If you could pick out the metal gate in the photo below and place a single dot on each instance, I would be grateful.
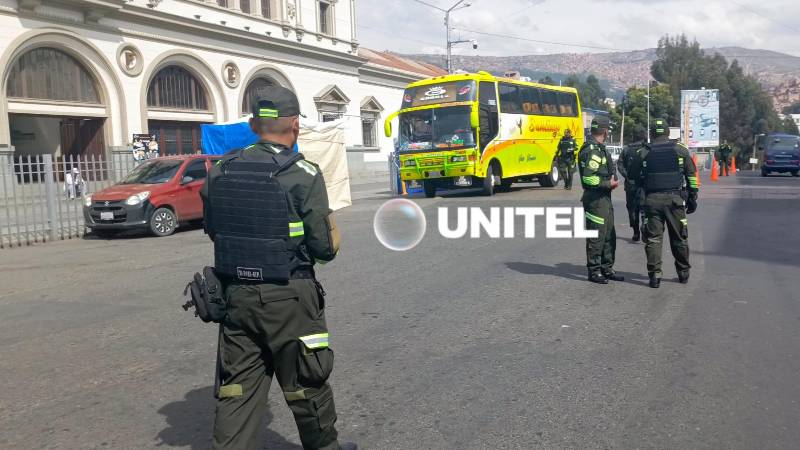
(42, 197)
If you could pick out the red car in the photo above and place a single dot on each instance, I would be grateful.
(158, 195)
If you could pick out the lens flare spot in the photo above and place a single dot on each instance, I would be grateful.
(399, 224)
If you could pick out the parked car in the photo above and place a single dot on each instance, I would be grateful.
(782, 155)
(158, 195)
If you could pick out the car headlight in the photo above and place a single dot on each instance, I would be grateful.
(410, 163)
(458, 159)
(135, 199)
(87, 201)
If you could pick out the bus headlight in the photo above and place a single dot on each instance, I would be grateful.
(410, 163)
(456, 159)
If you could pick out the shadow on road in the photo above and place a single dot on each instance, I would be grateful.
(191, 423)
(568, 271)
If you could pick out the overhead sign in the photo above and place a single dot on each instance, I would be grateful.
(700, 118)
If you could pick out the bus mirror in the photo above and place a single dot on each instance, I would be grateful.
(387, 128)
(474, 118)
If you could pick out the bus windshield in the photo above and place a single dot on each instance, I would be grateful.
(436, 129)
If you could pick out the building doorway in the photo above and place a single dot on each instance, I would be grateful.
(176, 138)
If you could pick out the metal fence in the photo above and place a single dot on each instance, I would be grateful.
(42, 196)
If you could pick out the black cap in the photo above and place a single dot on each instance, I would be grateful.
(275, 101)
(600, 122)
(659, 127)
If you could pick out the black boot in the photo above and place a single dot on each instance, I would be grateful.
(683, 276)
(655, 282)
(636, 235)
(598, 278)
(613, 276)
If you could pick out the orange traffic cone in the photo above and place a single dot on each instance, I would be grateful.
(733, 166)
(714, 171)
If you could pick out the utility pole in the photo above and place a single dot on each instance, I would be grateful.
(648, 111)
(622, 128)
(460, 4)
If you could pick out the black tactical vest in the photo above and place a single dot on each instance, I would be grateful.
(663, 171)
(249, 217)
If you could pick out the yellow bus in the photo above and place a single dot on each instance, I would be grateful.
(478, 130)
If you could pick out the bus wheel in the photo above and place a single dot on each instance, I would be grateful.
(430, 188)
(505, 185)
(488, 182)
(550, 179)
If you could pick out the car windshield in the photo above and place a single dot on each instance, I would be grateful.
(153, 172)
(436, 129)
(784, 144)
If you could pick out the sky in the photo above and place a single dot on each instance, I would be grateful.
(407, 26)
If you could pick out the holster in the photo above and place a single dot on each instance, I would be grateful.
(207, 296)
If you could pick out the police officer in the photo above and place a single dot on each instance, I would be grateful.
(633, 199)
(266, 209)
(668, 176)
(597, 177)
(725, 154)
(566, 158)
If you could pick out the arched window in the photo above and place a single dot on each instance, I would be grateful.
(49, 74)
(253, 90)
(174, 87)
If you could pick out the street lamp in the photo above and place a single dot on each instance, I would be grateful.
(460, 4)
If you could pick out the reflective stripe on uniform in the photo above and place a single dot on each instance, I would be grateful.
(685, 221)
(596, 219)
(597, 158)
(591, 181)
(308, 167)
(296, 229)
(694, 182)
(269, 113)
(315, 341)
(230, 390)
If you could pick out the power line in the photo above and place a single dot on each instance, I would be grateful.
(566, 44)
(752, 11)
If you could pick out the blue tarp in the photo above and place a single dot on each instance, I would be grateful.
(220, 139)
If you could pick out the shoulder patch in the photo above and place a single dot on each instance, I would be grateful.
(307, 166)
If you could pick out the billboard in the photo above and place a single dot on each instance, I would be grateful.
(700, 118)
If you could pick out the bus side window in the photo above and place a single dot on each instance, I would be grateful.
(509, 99)
(549, 102)
(531, 102)
(487, 100)
(567, 104)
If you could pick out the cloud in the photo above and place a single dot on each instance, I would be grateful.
(409, 27)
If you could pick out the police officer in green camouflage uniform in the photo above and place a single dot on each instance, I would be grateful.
(668, 176)
(725, 156)
(597, 176)
(266, 209)
(632, 194)
(566, 158)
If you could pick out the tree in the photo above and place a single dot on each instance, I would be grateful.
(592, 95)
(746, 108)
(790, 127)
(635, 106)
(794, 108)
(547, 80)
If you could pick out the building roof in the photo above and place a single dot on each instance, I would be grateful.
(394, 62)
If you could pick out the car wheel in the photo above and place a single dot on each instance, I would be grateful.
(795, 173)
(764, 173)
(488, 181)
(429, 187)
(551, 179)
(163, 222)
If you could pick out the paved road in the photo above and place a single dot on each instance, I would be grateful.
(467, 344)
